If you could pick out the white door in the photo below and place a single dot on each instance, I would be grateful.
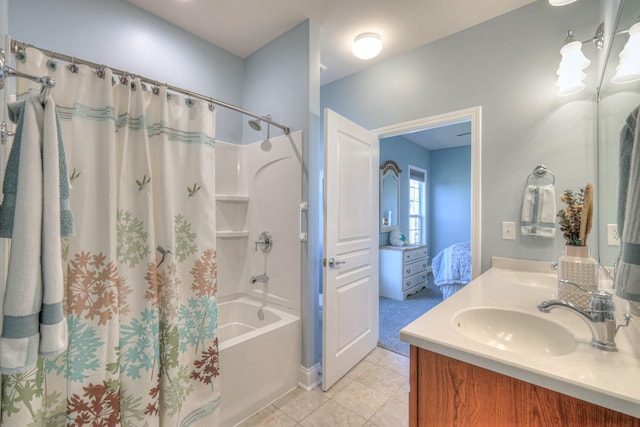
(351, 240)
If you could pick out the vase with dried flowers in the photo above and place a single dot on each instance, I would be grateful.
(576, 265)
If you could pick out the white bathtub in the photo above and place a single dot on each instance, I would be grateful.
(259, 359)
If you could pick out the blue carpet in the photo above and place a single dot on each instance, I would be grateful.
(395, 315)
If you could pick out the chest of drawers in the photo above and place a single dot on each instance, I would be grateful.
(403, 270)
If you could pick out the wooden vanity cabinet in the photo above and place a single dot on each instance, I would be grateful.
(448, 392)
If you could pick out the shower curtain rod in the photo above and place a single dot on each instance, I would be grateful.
(16, 46)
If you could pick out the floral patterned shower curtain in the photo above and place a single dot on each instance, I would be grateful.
(141, 269)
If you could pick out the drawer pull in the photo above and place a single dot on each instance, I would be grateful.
(408, 270)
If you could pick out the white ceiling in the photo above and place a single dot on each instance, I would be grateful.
(244, 26)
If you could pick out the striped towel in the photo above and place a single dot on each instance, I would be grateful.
(33, 319)
(628, 274)
(538, 211)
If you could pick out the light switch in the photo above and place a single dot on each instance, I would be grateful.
(508, 231)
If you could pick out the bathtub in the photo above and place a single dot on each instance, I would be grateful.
(259, 358)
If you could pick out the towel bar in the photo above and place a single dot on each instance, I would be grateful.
(5, 71)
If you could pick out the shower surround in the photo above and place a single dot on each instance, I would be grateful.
(258, 188)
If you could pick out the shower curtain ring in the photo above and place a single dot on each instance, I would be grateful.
(51, 64)
(188, 101)
(101, 71)
(73, 67)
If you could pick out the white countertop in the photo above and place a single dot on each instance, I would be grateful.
(609, 379)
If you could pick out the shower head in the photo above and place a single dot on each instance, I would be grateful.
(255, 123)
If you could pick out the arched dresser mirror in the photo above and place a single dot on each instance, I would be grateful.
(389, 195)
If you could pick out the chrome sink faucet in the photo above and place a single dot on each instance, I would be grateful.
(600, 316)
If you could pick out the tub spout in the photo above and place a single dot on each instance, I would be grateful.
(259, 278)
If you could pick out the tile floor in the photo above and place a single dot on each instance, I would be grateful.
(375, 393)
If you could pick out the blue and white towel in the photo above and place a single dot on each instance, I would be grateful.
(538, 211)
(33, 321)
(628, 274)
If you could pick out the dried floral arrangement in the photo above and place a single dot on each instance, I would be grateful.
(576, 219)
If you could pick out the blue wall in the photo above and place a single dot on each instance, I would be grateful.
(507, 66)
(450, 201)
(273, 73)
(404, 153)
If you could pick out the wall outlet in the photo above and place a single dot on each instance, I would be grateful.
(612, 235)
(508, 231)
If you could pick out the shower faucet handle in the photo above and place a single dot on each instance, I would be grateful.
(264, 242)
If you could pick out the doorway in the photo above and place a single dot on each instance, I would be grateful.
(453, 142)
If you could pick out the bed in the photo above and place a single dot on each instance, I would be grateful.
(452, 268)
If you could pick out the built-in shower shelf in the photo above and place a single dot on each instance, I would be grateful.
(231, 234)
(231, 198)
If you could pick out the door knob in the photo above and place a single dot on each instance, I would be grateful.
(333, 262)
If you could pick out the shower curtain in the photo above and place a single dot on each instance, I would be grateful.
(141, 275)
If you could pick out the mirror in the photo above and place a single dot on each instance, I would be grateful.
(616, 101)
(389, 195)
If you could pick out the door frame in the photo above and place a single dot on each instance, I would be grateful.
(475, 115)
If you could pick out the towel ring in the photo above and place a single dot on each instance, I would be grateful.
(541, 171)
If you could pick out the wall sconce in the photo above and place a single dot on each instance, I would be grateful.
(628, 70)
(570, 72)
(367, 45)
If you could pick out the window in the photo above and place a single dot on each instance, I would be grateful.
(417, 202)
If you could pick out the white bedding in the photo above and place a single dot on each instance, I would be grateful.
(452, 266)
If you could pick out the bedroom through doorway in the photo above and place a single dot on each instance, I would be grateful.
(438, 199)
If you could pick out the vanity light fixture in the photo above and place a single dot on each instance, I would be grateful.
(570, 72)
(628, 70)
(367, 45)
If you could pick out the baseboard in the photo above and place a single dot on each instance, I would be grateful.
(309, 378)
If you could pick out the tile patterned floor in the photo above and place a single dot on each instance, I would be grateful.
(375, 393)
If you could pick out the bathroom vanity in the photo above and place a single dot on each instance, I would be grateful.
(403, 270)
(448, 392)
(487, 356)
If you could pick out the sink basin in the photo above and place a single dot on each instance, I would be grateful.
(541, 280)
(514, 331)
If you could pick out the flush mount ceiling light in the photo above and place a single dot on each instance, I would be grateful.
(560, 2)
(367, 45)
(628, 70)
